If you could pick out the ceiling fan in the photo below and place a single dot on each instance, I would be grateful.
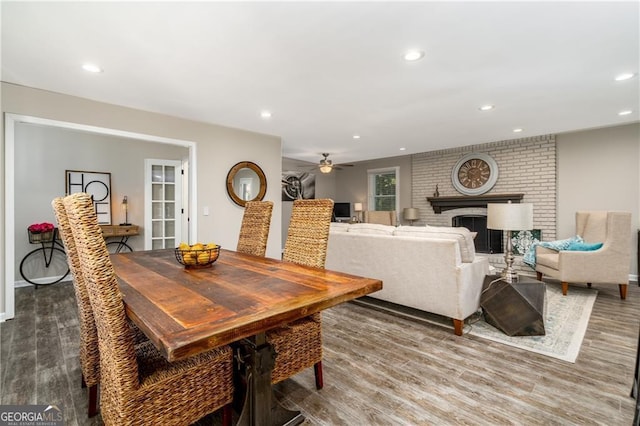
(327, 165)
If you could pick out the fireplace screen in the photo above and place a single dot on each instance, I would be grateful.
(487, 240)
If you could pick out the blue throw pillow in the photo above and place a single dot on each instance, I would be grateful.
(578, 246)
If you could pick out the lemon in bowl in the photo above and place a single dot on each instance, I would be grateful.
(197, 255)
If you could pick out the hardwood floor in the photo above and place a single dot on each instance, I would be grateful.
(379, 369)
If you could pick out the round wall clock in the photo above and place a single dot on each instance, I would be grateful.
(474, 174)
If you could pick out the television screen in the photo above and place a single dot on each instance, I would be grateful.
(342, 210)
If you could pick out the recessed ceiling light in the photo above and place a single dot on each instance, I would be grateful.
(625, 112)
(91, 68)
(265, 114)
(356, 136)
(486, 107)
(413, 55)
(625, 76)
(403, 149)
(517, 130)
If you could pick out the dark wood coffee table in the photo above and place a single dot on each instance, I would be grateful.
(517, 309)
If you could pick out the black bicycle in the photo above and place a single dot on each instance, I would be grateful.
(46, 264)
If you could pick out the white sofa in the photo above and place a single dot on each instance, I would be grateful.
(433, 269)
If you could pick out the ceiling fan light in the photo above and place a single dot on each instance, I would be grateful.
(326, 168)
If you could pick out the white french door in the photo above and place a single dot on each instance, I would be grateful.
(163, 204)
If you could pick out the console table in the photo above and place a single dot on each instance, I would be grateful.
(121, 231)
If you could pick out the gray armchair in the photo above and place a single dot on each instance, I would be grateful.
(607, 265)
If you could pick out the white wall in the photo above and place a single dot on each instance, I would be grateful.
(218, 149)
(526, 165)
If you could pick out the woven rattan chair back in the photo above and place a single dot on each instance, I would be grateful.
(89, 354)
(308, 232)
(137, 385)
(254, 231)
(299, 344)
(115, 338)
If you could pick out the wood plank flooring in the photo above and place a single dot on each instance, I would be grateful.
(379, 369)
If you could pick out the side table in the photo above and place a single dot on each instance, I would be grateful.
(517, 309)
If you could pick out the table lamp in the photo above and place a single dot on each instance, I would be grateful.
(125, 209)
(510, 217)
(357, 207)
(411, 214)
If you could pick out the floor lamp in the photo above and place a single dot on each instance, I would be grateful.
(510, 217)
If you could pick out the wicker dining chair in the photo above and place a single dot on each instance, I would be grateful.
(298, 345)
(89, 354)
(254, 231)
(138, 385)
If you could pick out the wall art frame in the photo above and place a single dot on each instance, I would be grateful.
(96, 184)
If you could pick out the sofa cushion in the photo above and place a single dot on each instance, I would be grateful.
(371, 228)
(462, 235)
(339, 227)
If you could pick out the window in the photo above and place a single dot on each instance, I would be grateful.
(383, 189)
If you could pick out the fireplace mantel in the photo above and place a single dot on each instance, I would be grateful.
(441, 204)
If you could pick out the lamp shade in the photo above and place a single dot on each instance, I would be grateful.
(411, 213)
(510, 217)
(357, 207)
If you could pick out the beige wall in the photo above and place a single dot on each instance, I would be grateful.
(599, 170)
(218, 149)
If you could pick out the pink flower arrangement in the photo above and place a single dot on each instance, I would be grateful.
(38, 228)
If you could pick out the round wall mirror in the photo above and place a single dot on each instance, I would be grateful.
(246, 182)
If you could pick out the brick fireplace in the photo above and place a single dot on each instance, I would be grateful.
(526, 166)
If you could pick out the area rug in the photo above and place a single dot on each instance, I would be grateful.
(565, 323)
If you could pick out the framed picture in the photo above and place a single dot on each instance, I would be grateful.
(298, 185)
(522, 240)
(96, 184)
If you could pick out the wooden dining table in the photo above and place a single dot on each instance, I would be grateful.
(235, 301)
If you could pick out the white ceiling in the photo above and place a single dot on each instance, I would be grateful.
(329, 70)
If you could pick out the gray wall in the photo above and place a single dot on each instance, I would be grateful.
(42, 155)
(356, 189)
(218, 149)
(349, 184)
(325, 188)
